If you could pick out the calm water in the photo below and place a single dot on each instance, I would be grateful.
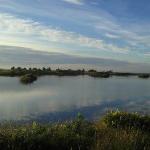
(54, 98)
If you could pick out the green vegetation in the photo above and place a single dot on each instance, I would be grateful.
(126, 120)
(99, 74)
(25, 73)
(145, 76)
(68, 72)
(28, 78)
(115, 131)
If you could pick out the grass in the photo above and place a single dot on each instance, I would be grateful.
(79, 134)
(121, 139)
(123, 131)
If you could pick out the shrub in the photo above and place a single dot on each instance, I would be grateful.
(119, 119)
(75, 135)
(78, 134)
(28, 78)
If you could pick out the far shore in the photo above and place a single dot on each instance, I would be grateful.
(18, 71)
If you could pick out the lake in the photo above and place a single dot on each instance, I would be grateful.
(53, 98)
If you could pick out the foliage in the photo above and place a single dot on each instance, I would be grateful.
(109, 138)
(145, 76)
(119, 119)
(78, 134)
(28, 78)
(18, 71)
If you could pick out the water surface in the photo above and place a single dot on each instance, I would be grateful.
(53, 98)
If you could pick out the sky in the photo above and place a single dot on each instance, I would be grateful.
(114, 29)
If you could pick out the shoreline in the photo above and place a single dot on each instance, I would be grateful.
(67, 72)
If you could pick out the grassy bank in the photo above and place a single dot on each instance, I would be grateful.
(115, 131)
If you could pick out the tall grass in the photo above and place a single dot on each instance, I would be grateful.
(79, 134)
(120, 139)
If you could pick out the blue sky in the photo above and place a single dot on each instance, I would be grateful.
(116, 29)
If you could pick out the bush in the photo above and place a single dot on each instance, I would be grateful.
(119, 119)
(75, 135)
(78, 134)
(28, 78)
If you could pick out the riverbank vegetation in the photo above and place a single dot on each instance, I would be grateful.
(29, 75)
(18, 71)
(115, 131)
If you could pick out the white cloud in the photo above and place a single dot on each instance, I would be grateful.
(76, 2)
(112, 36)
(29, 30)
(101, 21)
(147, 54)
(111, 29)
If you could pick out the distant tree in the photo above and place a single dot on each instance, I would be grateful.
(83, 71)
(30, 69)
(13, 68)
(44, 69)
(19, 68)
(57, 70)
(92, 70)
(39, 70)
(24, 69)
(34, 69)
(49, 69)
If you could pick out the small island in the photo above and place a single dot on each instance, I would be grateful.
(145, 76)
(29, 75)
(28, 78)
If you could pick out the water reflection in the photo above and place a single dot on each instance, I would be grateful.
(54, 98)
